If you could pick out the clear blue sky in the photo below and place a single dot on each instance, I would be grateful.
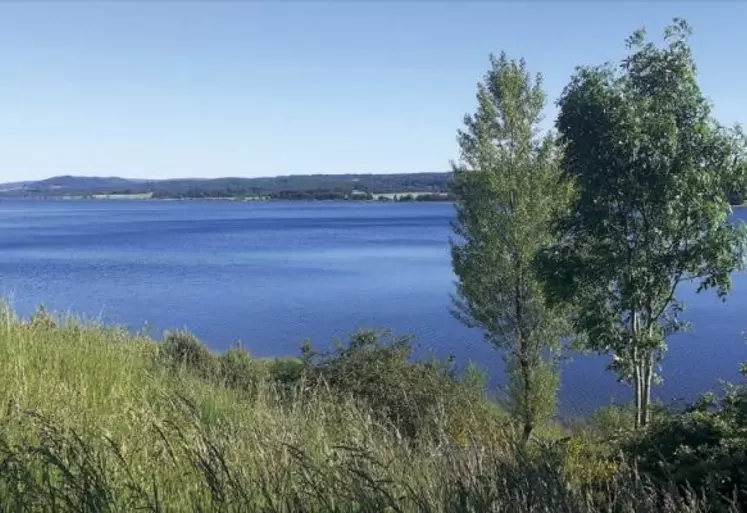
(144, 89)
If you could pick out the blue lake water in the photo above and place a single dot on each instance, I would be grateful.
(274, 274)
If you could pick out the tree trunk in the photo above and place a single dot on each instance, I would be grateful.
(523, 351)
(526, 376)
(635, 361)
(646, 399)
(527, 434)
(638, 381)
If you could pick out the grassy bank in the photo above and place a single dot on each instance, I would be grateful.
(96, 419)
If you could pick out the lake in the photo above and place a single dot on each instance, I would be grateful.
(274, 274)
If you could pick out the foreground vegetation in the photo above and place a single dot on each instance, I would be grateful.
(96, 419)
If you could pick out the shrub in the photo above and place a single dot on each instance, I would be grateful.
(416, 398)
(703, 447)
(240, 371)
(286, 372)
(234, 369)
(587, 460)
(42, 319)
(182, 349)
(611, 422)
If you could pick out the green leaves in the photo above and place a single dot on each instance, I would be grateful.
(651, 171)
(508, 192)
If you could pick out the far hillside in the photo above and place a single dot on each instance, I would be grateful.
(348, 186)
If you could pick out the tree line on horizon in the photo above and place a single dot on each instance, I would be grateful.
(320, 187)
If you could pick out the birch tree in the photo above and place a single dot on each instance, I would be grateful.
(507, 189)
(651, 171)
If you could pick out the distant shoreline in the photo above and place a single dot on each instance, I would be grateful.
(389, 197)
(231, 199)
(347, 187)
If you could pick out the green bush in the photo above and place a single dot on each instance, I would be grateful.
(703, 447)
(42, 319)
(286, 372)
(240, 371)
(234, 369)
(612, 422)
(182, 349)
(414, 397)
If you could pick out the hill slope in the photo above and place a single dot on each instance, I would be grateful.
(288, 186)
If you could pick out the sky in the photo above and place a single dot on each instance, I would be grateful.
(243, 88)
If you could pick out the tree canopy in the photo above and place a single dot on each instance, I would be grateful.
(651, 170)
(507, 192)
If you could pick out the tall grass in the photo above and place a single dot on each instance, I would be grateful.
(93, 420)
